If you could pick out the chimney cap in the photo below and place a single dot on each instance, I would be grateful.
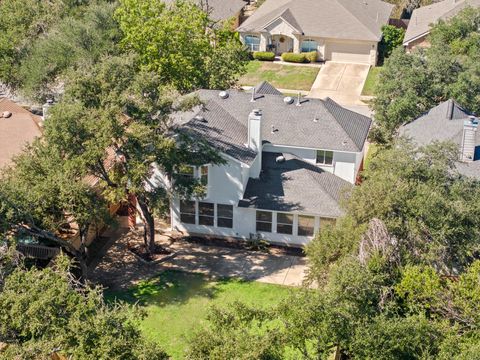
(257, 112)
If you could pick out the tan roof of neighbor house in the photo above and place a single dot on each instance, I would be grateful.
(424, 17)
(336, 19)
(220, 9)
(16, 131)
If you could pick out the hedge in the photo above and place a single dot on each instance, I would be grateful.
(292, 57)
(264, 55)
(311, 56)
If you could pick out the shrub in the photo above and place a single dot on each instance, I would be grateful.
(264, 55)
(296, 58)
(392, 38)
(311, 56)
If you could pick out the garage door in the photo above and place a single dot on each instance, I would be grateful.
(356, 53)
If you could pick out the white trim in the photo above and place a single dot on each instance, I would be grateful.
(297, 32)
(312, 148)
(407, 42)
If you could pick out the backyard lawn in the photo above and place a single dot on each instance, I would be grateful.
(281, 76)
(372, 79)
(176, 303)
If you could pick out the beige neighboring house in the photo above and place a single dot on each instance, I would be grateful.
(221, 10)
(426, 16)
(338, 30)
(18, 127)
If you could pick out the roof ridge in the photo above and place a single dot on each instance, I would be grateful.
(329, 102)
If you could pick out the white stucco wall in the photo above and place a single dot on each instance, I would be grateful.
(345, 164)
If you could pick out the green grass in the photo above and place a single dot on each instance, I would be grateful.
(176, 303)
(281, 76)
(371, 81)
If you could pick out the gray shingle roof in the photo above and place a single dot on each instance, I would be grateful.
(295, 185)
(444, 122)
(266, 88)
(335, 19)
(316, 124)
(423, 17)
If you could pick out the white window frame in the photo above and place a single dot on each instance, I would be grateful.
(218, 217)
(251, 45)
(298, 224)
(200, 215)
(271, 222)
(309, 47)
(292, 224)
(324, 157)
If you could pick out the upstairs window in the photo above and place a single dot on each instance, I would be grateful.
(187, 172)
(306, 225)
(324, 157)
(284, 223)
(252, 42)
(204, 175)
(225, 216)
(309, 45)
(264, 221)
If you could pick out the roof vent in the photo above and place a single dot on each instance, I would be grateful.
(223, 95)
(280, 159)
(6, 114)
(200, 118)
(288, 100)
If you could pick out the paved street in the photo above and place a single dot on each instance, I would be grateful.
(120, 269)
(342, 82)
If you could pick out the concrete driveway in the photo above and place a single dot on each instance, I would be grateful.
(342, 82)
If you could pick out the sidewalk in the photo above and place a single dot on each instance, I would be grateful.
(120, 269)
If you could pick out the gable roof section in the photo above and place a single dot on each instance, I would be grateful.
(295, 185)
(265, 88)
(444, 122)
(16, 131)
(337, 19)
(425, 16)
(315, 124)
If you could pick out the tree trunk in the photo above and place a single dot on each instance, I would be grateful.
(81, 254)
(149, 225)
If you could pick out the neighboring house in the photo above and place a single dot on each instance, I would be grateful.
(289, 162)
(449, 122)
(221, 10)
(18, 127)
(423, 18)
(339, 30)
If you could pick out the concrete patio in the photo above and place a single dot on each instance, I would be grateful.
(120, 269)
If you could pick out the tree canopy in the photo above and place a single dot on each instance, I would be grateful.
(412, 83)
(46, 311)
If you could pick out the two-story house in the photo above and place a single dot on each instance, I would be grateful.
(289, 160)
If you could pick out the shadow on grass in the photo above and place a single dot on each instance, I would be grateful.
(170, 287)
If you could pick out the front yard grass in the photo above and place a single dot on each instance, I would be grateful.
(280, 76)
(176, 303)
(372, 79)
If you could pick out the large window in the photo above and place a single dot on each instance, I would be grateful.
(225, 216)
(252, 42)
(264, 221)
(284, 223)
(187, 212)
(324, 157)
(306, 225)
(309, 45)
(206, 212)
